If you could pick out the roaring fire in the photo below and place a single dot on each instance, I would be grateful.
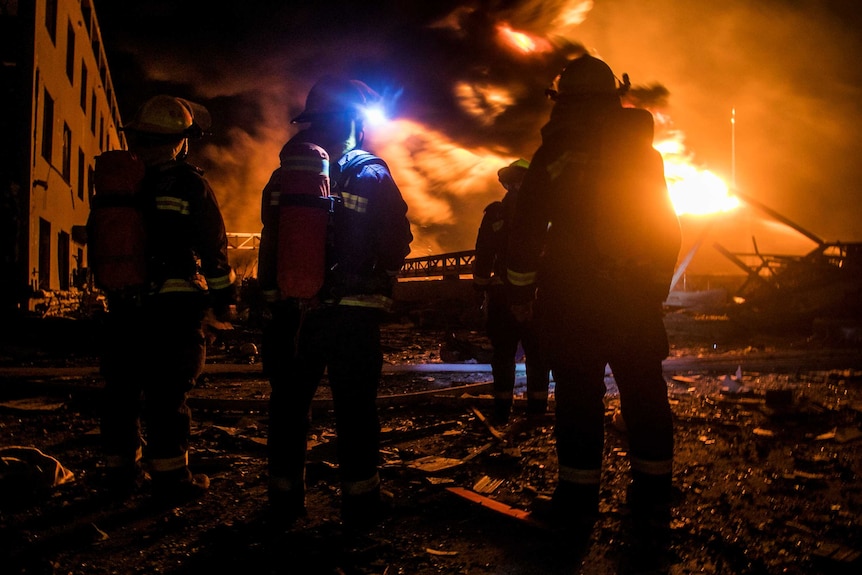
(446, 183)
(693, 190)
(573, 13)
(482, 101)
(521, 41)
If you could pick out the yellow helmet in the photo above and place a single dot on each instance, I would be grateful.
(514, 172)
(168, 115)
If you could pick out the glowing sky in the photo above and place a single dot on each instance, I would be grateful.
(466, 81)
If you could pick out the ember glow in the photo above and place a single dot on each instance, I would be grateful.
(482, 101)
(445, 184)
(440, 177)
(522, 41)
(573, 13)
(472, 75)
(693, 190)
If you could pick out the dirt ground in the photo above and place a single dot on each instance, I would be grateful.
(767, 468)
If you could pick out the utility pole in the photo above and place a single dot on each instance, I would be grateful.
(733, 148)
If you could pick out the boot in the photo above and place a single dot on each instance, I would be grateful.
(365, 510)
(650, 500)
(175, 487)
(286, 506)
(572, 506)
(501, 413)
(536, 407)
(123, 482)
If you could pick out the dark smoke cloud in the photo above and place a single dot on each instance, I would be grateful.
(654, 96)
(466, 105)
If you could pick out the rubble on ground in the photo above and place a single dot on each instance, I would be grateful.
(767, 471)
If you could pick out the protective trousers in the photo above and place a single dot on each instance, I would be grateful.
(153, 353)
(627, 333)
(505, 333)
(299, 348)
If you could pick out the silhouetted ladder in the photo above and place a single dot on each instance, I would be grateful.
(451, 265)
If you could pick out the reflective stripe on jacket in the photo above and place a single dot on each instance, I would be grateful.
(186, 231)
(489, 263)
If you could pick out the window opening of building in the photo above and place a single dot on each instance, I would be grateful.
(84, 73)
(64, 257)
(43, 274)
(51, 19)
(93, 113)
(47, 126)
(67, 152)
(81, 173)
(70, 53)
(87, 16)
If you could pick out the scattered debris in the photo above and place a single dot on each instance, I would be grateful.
(834, 556)
(787, 291)
(496, 506)
(487, 485)
(841, 435)
(434, 464)
(33, 404)
(494, 431)
(768, 477)
(100, 535)
(440, 553)
(27, 473)
(460, 349)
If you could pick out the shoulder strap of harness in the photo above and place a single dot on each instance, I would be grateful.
(355, 160)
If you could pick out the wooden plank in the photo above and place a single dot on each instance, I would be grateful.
(497, 506)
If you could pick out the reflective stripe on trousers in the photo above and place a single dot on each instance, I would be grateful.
(580, 476)
(655, 468)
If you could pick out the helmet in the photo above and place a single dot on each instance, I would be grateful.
(514, 172)
(335, 95)
(585, 75)
(167, 115)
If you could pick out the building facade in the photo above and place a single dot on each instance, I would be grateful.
(59, 112)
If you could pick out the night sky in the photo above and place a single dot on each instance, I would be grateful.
(464, 101)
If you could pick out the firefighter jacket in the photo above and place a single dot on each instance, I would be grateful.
(369, 234)
(489, 262)
(594, 203)
(187, 242)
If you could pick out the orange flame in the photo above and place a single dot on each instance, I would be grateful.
(445, 183)
(521, 41)
(693, 190)
(482, 101)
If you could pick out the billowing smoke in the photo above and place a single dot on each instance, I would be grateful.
(471, 78)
